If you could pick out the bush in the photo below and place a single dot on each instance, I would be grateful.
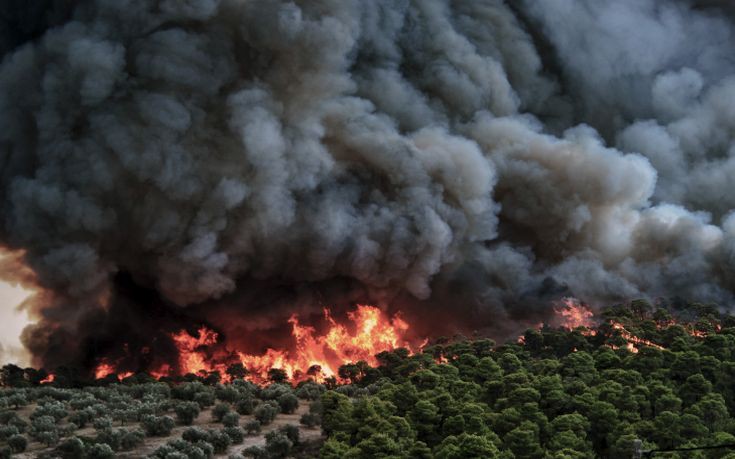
(277, 444)
(227, 393)
(102, 423)
(220, 440)
(256, 452)
(71, 448)
(110, 437)
(310, 419)
(288, 403)
(157, 425)
(186, 412)
(80, 418)
(219, 411)
(231, 419)
(17, 443)
(7, 432)
(48, 438)
(132, 439)
(235, 433)
(99, 451)
(245, 406)
(55, 409)
(204, 399)
(292, 432)
(266, 412)
(195, 434)
(6, 452)
(273, 391)
(310, 390)
(17, 400)
(252, 427)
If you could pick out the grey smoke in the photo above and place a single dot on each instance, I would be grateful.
(411, 148)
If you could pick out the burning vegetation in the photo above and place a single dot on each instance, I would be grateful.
(367, 331)
(586, 386)
(314, 355)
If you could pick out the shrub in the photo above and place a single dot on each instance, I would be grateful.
(288, 403)
(55, 409)
(157, 425)
(277, 444)
(273, 391)
(175, 449)
(111, 437)
(245, 405)
(252, 427)
(6, 452)
(7, 432)
(235, 433)
(48, 438)
(219, 411)
(102, 423)
(17, 400)
(71, 448)
(204, 399)
(17, 443)
(186, 412)
(132, 439)
(220, 440)
(231, 419)
(80, 418)
(266, 412)
(255, 451)
(206, 448)
(194, 434)
(227, 393)
(310, 419)
(310, 390)
(99, 451)
(292, 432)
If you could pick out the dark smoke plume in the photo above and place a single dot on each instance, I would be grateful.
(175, 162)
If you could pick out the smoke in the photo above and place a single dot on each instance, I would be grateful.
(166, 163)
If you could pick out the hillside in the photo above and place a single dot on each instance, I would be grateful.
(663, 375)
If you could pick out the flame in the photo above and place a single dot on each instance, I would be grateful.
(633, 341)
(313, 355)
(102, 370)
(105, 368)
(574, 314)
(48, 379)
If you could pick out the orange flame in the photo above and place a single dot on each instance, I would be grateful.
(574, 314)
(48, 379)
(105, 368)
(633, 341)
(314, 355)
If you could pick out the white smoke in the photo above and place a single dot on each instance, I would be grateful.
(404, 145)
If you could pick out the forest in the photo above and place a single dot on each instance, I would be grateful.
(663, 374)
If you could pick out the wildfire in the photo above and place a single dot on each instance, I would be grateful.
(313, 355)
(48, 379)
(104, 369)
(632, 340)
(574, 314)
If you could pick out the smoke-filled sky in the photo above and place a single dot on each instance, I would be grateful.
(173, 161)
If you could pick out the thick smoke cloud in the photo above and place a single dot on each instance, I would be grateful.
(164, 163)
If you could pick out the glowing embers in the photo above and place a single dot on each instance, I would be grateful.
(369, 332)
